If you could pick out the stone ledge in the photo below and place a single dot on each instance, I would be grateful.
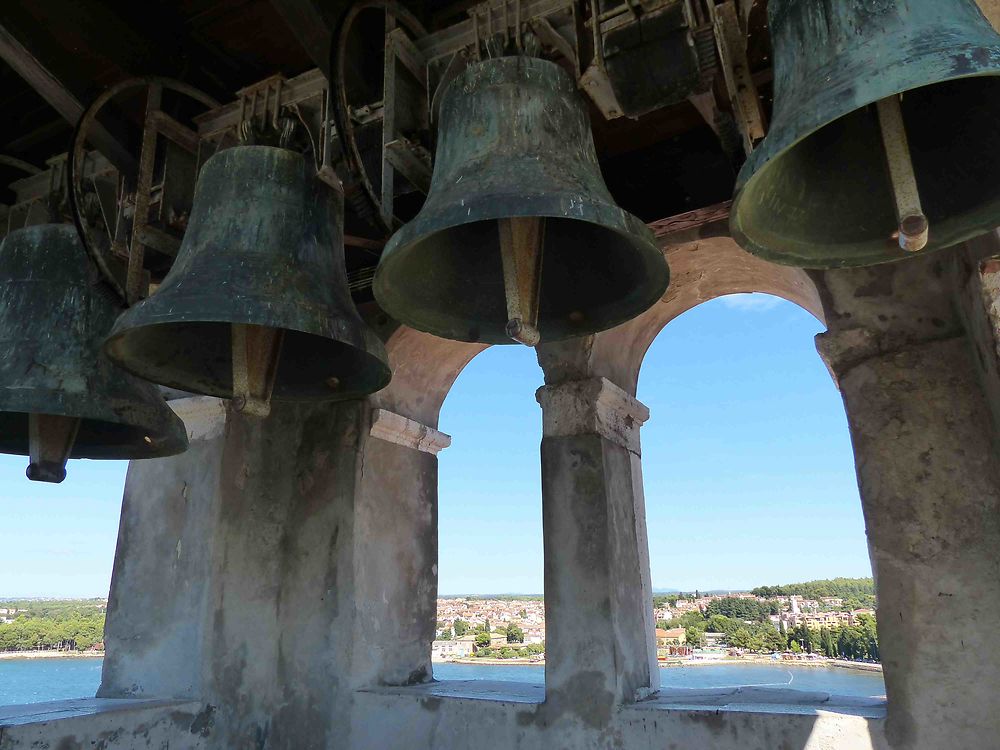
(500, 691)
(763, 700)
(589, 407)
(35, 713)
(395, 428)
(778, 701)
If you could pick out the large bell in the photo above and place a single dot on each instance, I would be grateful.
(257, 302)
(60, 398)
(519, 237)
(828, 185)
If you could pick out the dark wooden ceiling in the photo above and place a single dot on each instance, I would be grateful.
(666, 162)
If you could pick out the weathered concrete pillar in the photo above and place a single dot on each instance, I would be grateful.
(276, 567)
(158, 604)
(396, 545)
(600, 650)
(929, 478)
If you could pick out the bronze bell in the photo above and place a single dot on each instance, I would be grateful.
(60, 398)
(885, 137)
(519, 237)
(257, 302)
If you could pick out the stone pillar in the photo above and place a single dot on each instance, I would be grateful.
(396, 548)
(276, 567)
(929, 478)
(159, 594)
(600, 648)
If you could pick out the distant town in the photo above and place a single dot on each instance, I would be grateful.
(828, 619)
(833, 619)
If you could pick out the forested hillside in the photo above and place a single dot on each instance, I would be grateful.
(72, 625)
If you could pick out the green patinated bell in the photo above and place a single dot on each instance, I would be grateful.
(259, 278)
(515, 154)
(817, 192)
(60, 397)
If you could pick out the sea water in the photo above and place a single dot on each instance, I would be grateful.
(835, 680)
(36, 680)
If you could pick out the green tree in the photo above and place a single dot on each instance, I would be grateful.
(739, 609)
(515, 634)
(482, 640)
(695, 637)
(718, 623)
(869, 636)
(461, 628)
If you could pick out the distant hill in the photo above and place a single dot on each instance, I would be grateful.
(853, 590)
(501, 597)
(856, 592)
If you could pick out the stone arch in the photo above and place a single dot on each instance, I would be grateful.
(424, 369)
(701, 270)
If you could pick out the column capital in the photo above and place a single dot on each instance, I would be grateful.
(395, 428)
(204, 417)
(593, 406)
(844, 350)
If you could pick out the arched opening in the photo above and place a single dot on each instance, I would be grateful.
(58, 548)
(490, 567)
(749, 482)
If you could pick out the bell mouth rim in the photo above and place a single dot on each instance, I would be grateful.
(168, 439)
(644, 241)
(620, 221)
(769, 150)
(372, 352)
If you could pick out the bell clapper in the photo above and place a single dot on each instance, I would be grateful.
(50, 441)
(521, 245)
(913, 228)
(256, 350)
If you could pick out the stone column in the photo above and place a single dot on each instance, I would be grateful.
(396, 547)
(276, 567)
(600, 650)
(159, 593)
(929, 478)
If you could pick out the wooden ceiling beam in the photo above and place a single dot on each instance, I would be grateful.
(313, 25)
(52, 89)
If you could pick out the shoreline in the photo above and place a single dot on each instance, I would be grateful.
(839, 663)
(10, 655)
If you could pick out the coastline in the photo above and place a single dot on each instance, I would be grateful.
(4, 655)
(839, 663)
(487, 662)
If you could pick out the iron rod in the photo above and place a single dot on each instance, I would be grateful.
(913, 227)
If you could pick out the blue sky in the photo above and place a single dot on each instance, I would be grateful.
(747, 463)
(747, 466)
(59, 539)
